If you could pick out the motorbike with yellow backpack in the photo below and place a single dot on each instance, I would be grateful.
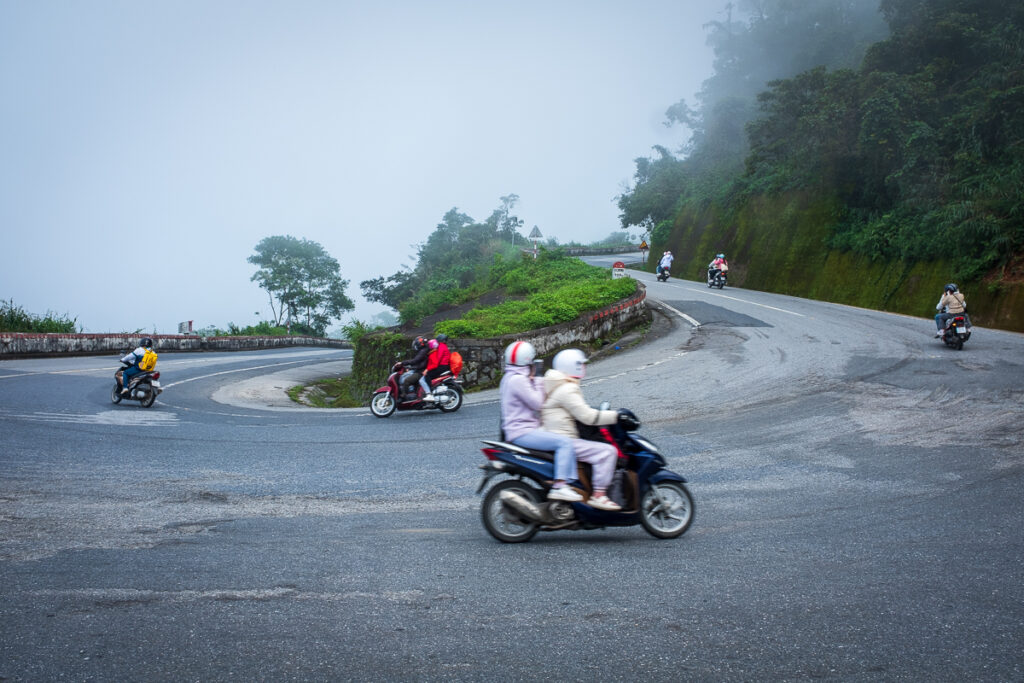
(138, 379)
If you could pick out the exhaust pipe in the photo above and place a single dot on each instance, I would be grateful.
(522, 506)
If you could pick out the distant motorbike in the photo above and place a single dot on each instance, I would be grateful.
(716, 278)
(515, 509)
(956, 332)
(662, 274)
(447, 390)
(143, 387)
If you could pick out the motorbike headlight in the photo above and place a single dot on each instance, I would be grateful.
(646, 445)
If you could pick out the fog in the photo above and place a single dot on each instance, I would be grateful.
(148, 147)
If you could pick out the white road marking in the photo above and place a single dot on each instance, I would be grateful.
(680, 314)
(125, 417)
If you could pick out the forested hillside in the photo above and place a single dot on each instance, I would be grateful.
(883, 168)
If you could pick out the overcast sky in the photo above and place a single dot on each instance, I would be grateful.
(146, 148)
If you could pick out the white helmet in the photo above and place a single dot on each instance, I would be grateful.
(520, 353)
(570, 362)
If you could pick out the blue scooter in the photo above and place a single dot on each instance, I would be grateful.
(516, 508)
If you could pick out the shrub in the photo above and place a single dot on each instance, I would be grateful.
(16, 319)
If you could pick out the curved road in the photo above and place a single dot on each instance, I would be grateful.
(858, 517)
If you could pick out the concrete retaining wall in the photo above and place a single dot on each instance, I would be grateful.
(19, 345)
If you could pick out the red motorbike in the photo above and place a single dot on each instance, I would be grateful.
(393, 396)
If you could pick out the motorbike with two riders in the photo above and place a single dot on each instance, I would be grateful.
(516, 508)
(956, 332)
(717, 276)
(446, 390)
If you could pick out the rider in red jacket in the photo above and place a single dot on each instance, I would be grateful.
(438, 363)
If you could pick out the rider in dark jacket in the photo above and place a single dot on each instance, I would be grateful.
(415, 365)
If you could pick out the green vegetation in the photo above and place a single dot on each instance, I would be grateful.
(856, 179)
(452, 265)
(554, 288)
(15, 319)
(463, 260)
(303, 279)
(326, 393)
(261, 329)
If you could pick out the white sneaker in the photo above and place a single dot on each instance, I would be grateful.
(430, 398)
(938, 334)
(564, 493)
(604, 503)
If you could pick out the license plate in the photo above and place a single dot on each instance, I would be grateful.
(958, 330)
(156, 384)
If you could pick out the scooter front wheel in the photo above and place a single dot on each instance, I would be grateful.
(383, 404)
(666, 510)
(115, 393)
(501, 522)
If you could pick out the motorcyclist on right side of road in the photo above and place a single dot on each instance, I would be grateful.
(414, 366)
(665, 263)
(132, 360)
(952, 304)
(717, 265)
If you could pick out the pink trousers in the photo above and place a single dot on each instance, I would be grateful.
(601, 457)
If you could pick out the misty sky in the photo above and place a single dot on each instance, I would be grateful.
(146, 148)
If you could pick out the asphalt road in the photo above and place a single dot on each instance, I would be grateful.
(858, 517)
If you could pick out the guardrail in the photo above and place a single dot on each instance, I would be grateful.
(38, 345)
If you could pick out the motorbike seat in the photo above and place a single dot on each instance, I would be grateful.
(505, 445)
(442, 377)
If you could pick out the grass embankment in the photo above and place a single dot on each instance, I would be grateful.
(326, 393)
(551, 289)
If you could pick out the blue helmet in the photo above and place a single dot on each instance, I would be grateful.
(951, 288)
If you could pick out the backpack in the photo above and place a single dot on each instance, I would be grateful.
(455, 363)
(148, 361)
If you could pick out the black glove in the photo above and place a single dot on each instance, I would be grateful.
(627, 420)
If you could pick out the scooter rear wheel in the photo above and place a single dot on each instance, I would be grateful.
(150, 398)
(670, 515)
(452, 401)
(501, 522)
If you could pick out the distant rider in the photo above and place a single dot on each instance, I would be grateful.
(132, 360)
(666, 262)
(522, 395)
(952, 304)
(415, 365)
(717, 265)
(564, 405)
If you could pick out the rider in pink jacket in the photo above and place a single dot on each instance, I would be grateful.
(522, 395)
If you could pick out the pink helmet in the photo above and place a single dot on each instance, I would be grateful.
(432, 344)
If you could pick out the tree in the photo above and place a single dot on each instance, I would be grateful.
(459, 252)
(304, 280)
